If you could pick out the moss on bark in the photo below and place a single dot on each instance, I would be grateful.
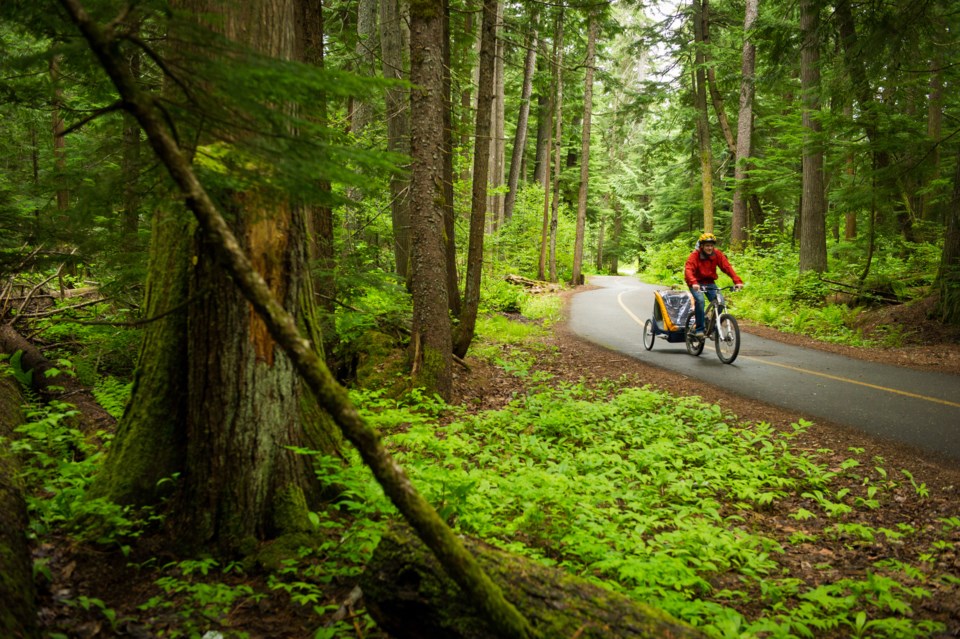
(409, 595)
(18, 611)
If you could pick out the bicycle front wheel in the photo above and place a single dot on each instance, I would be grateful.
(727, 337)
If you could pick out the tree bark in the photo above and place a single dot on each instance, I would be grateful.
(364, 52)
(319, 217)
(481, 166)
(215, 400)
(497, 142)
(813, 230)
(430, 343)
(520, 137)
(398, 131)
(18, 605)
(948, 277)
(407, 594)
(704, 151)
(449, 213)
(557, 144)
(739, 228)
(282, 325)
(577, 276)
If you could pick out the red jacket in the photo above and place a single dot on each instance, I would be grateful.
(701, 269)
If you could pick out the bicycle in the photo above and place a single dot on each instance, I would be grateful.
(721, 327)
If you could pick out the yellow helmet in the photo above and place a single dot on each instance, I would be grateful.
(707, 237)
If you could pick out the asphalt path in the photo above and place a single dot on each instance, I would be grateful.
(919, 408)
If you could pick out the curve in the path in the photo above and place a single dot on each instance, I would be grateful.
(919, 408)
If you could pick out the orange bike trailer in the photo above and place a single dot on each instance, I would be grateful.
(671, 312)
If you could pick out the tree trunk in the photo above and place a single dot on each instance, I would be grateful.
(398, 131)
(615, 236)
(481, 166)
(520, 137)
(869, 116)
(319, 217)
(282, 326)
(59, 140)
(545, 123)
(364, 53)
(577, 277)
(541, 158)
(18, 606)
(449, 213)
(558, 145)
(92, 417)
(934, 132)
(430, 342)
(705, 153)
(408, 595)
(497, 143)
(948, 277)
(739, 224)
(215, 400)
(813, 232)
(716, 97)
(601, 229)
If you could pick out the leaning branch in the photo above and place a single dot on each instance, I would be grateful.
(456, 560)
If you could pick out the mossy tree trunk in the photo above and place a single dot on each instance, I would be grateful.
(431, 343)
(215, 400)
(410, 597)
(18, 610)
(949, 276)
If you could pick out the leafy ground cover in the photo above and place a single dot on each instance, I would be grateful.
(732, 514)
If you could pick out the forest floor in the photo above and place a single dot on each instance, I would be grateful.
(78, 571)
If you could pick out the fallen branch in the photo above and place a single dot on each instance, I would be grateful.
(92, 415)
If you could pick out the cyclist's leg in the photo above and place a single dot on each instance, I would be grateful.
(710, 290)
(698, 304)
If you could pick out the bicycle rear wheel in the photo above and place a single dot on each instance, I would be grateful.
(727, 338)
(648, 335)
(694, 344)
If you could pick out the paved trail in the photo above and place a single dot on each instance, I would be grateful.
(919, 408)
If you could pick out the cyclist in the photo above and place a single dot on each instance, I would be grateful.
(700, 273)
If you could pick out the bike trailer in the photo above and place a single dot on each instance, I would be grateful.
(671, 311)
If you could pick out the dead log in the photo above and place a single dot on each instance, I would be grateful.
(61, 386)
(410, 597)
(18, 607)
(534, 286)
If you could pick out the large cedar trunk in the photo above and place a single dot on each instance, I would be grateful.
(407, 593)
(431, 341)
(215, 399)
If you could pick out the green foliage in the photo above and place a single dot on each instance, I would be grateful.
(59, 465)
(198, 601)
(649, 494)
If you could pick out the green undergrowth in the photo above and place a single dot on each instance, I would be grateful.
(664, 499)
(668, 500)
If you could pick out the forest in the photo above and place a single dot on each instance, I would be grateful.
(263, 265)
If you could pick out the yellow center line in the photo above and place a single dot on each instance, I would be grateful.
(817, 373)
